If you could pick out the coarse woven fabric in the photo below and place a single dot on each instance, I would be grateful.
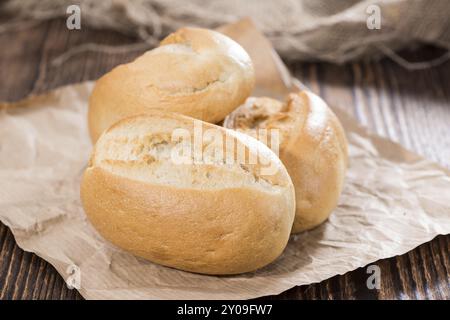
(334, 31)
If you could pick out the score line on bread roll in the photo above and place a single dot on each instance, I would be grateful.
(212, 212)
(312, 146)
(196, 72)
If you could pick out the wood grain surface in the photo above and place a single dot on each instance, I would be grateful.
(412, 108)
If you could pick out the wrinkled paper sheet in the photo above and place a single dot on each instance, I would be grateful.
(393, 201)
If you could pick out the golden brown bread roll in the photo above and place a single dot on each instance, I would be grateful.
(216, 213)
(313, 147)
(196, 72)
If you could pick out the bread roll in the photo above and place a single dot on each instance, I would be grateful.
(313, 147)
(213, 212)
(195, 72)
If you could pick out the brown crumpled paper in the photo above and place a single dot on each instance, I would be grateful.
(392, 202)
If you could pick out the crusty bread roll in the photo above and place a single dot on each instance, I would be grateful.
(313, 147)
(217, 213)
(195, 72)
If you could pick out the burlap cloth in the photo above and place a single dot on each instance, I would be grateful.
(335, 31)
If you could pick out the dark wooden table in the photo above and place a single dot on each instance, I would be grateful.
(412, 108)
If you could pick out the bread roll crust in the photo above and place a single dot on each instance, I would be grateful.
(313, 148)
(195, 72)
(228, 228)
